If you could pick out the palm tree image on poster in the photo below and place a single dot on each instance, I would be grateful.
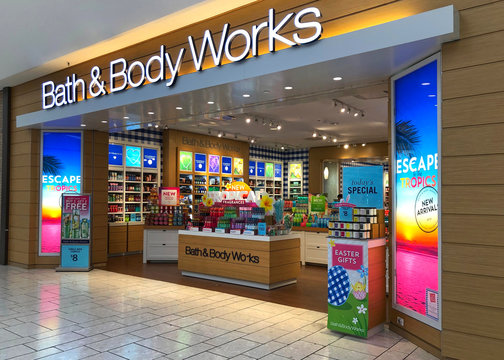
(406, 137)
(51, 165)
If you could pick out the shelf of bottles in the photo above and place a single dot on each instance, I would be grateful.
(129, 188)
(266, 177)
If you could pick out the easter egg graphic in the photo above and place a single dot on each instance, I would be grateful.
(338, 285)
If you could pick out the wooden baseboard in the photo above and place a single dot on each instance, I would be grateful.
(416, 340)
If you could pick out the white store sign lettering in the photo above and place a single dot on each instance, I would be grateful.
(121, 72)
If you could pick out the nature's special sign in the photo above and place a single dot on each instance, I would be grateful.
(165, 66)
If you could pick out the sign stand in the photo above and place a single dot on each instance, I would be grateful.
(75, 249)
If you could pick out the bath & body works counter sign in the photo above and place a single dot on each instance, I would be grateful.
(416, 253)
(61, 167)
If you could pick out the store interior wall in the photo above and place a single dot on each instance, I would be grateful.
(331, 185)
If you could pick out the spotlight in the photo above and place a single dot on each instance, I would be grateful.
(248, 120)
(334, 140)
(283, 148)
(314, 134)
(324, 137)
(219, 134)
(252, 141)
(356, 114)
(279, 127)
(342, 110)
(346, 146)
(156, 126)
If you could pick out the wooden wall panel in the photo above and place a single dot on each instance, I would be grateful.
(117, 239)
(475, 80)
(473, 289)
(473, 140)
(475, 110)
(473, 259)
(487, 200)
(473, 170)
(135, 238)
(473, 228)
(468, 346)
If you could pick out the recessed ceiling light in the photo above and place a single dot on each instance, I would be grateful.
(314, 134)
(104, 121)
(266, 91)
(337, 78)
(279, 127)
(219, 134)
(324, 137)
(425, 83)
(246, 95)
(356, 114)
(156, 126)
(252, 141)
(248, 120)
(334, 140)
(125, 117)
(346, 146)
(283, 147)
(83, 125)
(150, 112)
(210, 102)
(363, 144)
(288, 88)
(149, 125)
(179, 108)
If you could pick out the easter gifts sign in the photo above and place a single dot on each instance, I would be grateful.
(347, 292)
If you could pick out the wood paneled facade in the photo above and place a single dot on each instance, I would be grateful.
(472, 159)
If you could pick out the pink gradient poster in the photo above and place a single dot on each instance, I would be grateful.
(416, 193)
(61, 173)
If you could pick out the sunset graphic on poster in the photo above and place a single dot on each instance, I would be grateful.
(416, 188)
(61, 173)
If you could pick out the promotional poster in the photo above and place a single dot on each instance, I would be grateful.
(269, 170)
(227, 165)
(115, 154)
(260, 168)
(296, 171)
(75, 230)
(237, 166)
(185, 161)
(214, 164)
(150, 158)
(278, 170)
(364, 185)
(200, 162)
(416, 191)
(133, 155)
(61, 173)
(252, 168)
(347, 297)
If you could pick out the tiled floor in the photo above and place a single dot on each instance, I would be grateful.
(105, 315)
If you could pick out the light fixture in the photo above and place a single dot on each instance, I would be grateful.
(283, 147)
(248, 120)
(219, 134)
(288, 88)
(279, 127)
(126, 117)
(83, 125)
(334, 140)
(252, 140)
(324, 137)
(179, 108)
(337, 78)
(326, 173)
(314, 134)
(210, 102)
(342, 110)
(246, 95)
(346, 146)
(156, 126)
(363, 144)
(356, 114)
(149, 125)
(209, 132)
(104, 121)
(150, 112)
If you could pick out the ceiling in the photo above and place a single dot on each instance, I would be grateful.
(41, 37)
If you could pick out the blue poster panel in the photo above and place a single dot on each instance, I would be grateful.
(133, 156)
(252, 168)
(150, 158)
(74, 256)
(115, 155)
(278, 170)
(200, 163)
(227, 165)
(364, 184)
(260, 168)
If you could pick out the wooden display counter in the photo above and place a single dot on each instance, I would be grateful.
(265, 262)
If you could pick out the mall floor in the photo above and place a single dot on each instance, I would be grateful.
(107, 315)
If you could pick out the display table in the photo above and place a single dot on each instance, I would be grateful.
(160, 243)
(356, 286)
(264, 262)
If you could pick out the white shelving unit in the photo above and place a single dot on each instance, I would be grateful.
(269, 184)
(129, 188)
